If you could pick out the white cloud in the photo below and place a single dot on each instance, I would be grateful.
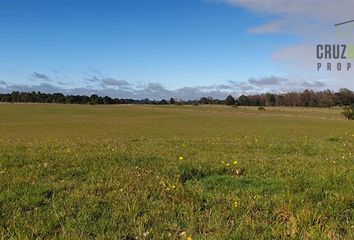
(301, 64)
(308, 18)
(318, 10)
(313, 21)
(271, 27)
(298, 57)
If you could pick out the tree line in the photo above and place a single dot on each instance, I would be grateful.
(307, 98)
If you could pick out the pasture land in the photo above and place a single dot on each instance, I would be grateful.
(175, 172)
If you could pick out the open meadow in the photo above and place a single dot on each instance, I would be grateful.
(175, 172)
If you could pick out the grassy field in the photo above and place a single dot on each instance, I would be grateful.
(175, 172)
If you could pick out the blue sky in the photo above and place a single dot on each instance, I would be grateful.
(151, 48)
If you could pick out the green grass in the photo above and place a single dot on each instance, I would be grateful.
(114, 172)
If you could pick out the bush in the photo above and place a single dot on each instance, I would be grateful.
(349, 112)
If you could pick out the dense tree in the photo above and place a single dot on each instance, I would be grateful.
(307, 98)
(163, 102)
(244, 100)
(270, 99)
(206, 100)
(230, 100)
(345, 97)
(326, 98)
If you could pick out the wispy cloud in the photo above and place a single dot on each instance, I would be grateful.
(40, 76)
(267, 81)
(315, 84)
(107, 81)
(324, 10)
(93, 79)
(94, 71)
(271, 27)
(54, 70)
(114, 82)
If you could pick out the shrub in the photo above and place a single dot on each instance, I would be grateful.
(349, 112)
